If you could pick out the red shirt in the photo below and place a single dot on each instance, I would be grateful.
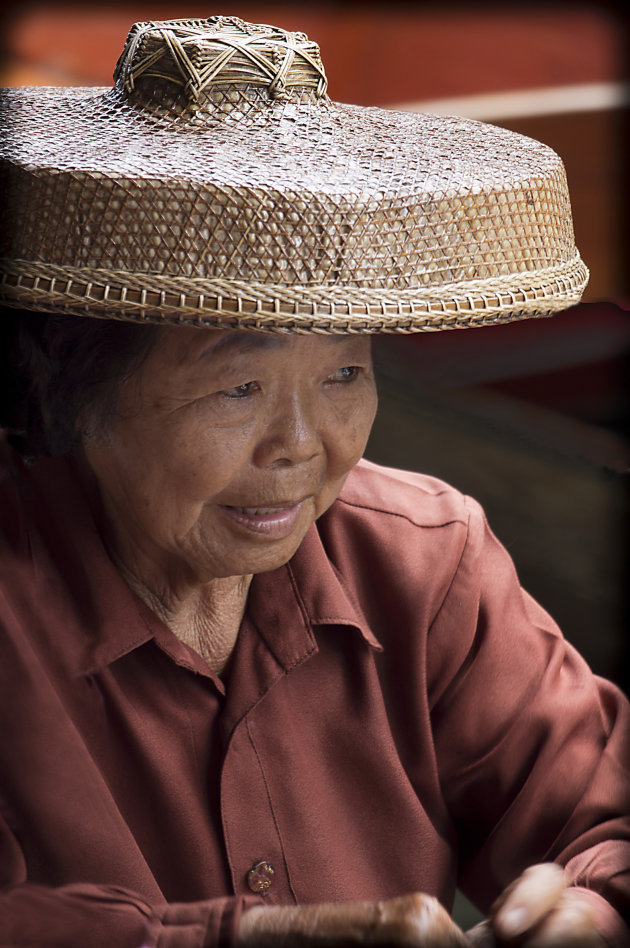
(398, 715)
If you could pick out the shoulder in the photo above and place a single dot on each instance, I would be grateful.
(419, 499)
(399, 530)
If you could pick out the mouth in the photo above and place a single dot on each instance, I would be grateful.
(273, 521)
(263, 511)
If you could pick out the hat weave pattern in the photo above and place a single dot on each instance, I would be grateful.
(226, 51)
(216, 184)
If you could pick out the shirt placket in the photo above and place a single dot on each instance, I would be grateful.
(253, 841)
(266, 652)
(252, 837)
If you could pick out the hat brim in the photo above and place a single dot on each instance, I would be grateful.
(153, 298)
(290, 215)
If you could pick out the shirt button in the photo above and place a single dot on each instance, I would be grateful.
(260, 877)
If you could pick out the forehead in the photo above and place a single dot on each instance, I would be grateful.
(188, 346)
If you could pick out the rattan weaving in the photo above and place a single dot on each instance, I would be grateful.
(217, 184)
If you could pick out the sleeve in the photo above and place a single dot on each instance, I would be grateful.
(105, 916)
(533, 749)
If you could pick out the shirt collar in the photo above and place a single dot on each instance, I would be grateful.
(121, 622)
(285, 604)
(327, 599)
(288, 604)
(94, 617)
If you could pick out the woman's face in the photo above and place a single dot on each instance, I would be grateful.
(227, 445)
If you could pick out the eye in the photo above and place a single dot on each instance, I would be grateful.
(240, 391)
(348, 373)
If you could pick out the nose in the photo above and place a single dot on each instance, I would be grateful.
(291, 436)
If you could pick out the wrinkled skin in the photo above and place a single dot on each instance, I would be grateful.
(537, 911)
(408, 921)
(224, 449)
(217, 420)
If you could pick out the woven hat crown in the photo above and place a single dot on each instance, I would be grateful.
(220, 52)
(217, 184)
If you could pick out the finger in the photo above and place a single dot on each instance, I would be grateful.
(481, 936)
(570, 924)
(416, 921)
(532, 896)
(412, 921)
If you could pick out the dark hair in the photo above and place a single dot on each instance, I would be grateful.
(52, 368)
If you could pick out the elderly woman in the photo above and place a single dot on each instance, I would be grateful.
(256, 690)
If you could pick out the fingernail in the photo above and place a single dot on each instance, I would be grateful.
(513, 922)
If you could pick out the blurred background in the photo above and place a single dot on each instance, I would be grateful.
(531, 418)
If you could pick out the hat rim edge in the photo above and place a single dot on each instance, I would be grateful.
(323, 308)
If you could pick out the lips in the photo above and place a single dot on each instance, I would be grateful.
(273, 522)
(262, 511)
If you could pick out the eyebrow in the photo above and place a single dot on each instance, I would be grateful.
(246, 342)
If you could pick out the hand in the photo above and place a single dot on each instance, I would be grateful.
(538, 910)
(411, 921)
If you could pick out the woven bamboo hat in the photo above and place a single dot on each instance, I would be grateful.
(216, 184)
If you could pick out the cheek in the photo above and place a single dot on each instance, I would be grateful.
(350, 433)
(368, 413)
(198, 461)
(360, 420)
